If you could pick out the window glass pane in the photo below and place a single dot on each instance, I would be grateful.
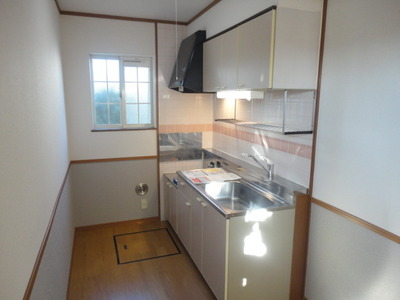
(99, 69)
(144, 92)
(130, 74)
(100, 92)
(112, 70)
(101, 114)
(135, 108)
(143, 74)
(132, 114)
(145, 113)
(131, 91)
(114, 94)
(115, 114)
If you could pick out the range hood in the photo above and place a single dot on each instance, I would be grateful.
(187, 76)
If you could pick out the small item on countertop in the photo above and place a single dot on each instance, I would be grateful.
(199, 176)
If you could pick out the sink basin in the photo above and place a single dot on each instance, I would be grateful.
(236, 196)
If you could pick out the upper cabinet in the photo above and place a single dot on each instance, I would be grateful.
(296, 48)
(254, 52)
(278, 49)
(219, 62)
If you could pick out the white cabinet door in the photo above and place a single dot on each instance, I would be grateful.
(214, 250)
(297, 41)
(184, 208)
(212, 53)
(220, 66)
(196, 227)
(228, 80)
(167, 199)
(174, 209)
(254, 53)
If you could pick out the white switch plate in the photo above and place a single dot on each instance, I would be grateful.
(144, 203)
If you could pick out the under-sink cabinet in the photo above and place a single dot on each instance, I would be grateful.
(239, 257)
(201, 229)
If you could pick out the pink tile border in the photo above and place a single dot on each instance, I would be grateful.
(179, 128)
(273, 143)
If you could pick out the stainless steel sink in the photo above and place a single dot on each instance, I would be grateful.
(236, 196)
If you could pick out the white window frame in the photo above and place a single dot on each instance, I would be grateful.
(147, 61)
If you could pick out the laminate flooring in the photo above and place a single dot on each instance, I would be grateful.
(100, 271)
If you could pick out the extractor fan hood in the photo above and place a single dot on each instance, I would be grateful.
(187, 76)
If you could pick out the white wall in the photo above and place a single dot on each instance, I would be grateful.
(357, 160)
(82, 36)
(33, 149)
(357, 156)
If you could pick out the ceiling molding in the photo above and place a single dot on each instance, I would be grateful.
(204, 11)
(122, 18)
(134, 19)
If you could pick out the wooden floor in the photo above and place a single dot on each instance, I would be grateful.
(96, 274)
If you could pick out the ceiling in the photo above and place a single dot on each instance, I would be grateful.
(156, 10)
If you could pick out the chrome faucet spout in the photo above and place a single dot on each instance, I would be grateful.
(265, 163)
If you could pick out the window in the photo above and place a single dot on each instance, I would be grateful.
(122, 92)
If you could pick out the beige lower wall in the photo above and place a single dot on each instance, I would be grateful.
(347, 261)
(104, 192)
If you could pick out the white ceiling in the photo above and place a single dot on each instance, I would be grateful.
(145, 9)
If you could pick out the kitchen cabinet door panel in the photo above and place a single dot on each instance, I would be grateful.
(167, 199)
(174, 209)
(296, 48)
(228, 80)
(214, 250)
(254, 53)
(196, 234)
(184, 207)
(212, 57)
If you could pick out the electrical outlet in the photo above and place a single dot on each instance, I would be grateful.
(144, 203)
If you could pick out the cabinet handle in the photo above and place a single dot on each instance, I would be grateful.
(198, 199)
(204, 204)
(188, 204)
(241, 85)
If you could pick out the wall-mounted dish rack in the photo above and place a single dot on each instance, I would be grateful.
(281, 111)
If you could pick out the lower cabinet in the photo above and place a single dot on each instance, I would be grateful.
(214, 250)
(202, 230)
(240, 258)
(184, 212)
(196, 230)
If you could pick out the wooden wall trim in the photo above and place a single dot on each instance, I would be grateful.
(300, 247)
(207, 8)
(97, 160)
(134, 19)
(318, 95)
(57, 5)
(42, 248)
(387, 234)
(121, 18)
(106, 225)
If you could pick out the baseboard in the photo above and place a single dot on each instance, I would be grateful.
(103, 225)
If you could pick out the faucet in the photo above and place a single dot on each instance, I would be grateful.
(264, 163)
